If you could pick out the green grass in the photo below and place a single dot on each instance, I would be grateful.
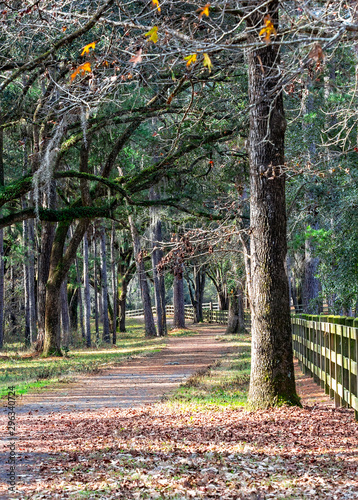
(224, 384)
(27, 372)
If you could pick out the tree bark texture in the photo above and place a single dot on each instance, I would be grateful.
(60, 263)
(236, 318)
(272, 379)
(178, 302)
(65, 316)
(149, 324)
(2, 266)
(87, 295)
(47, 236)
(105, 334)
(311, 285)
(114, 285)
(95, 286)
(157, 255)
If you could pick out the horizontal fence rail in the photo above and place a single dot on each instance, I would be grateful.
(329, 353)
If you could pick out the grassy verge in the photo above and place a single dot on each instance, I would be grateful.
(26, 371)
(224, 384)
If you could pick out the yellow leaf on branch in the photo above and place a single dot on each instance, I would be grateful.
(268, 30)
(156, 5)
(190, 59)
(207, 62)
(85, 49)
(153, 34)
(204, 11)
(81, 70)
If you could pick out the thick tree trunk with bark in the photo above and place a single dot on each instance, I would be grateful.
(60, 263)
(178, 302)
(236, 319)
(47, 236)
(272, 379)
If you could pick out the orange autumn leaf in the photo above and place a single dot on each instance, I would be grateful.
(204, 11)
(81, 70)
(85, 49)
(268, 30)
(156, 5)
(190, 59)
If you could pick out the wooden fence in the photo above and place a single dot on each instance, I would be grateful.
(329, 353)
(326, 351)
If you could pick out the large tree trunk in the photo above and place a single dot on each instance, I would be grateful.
(60, 263)
(178, 301)
(47, 236)
(236, 319)
(149, 324)
(272, 378)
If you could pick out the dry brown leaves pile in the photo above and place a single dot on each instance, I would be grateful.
(165, 451)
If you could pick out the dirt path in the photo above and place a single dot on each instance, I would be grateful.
(135, 382)
(105, 412)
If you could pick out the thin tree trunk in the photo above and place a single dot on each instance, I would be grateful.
(80, 298)
(28, 339)
(105, 334)
(311, 285)
(272, 378)
(95, 286)
(65, 316)
(114, 286)
(178, 301)
(2, 267)
(87, 295)
(149, 324)
(236, 317)
(31, 277)
(73, 310)
(157, 255)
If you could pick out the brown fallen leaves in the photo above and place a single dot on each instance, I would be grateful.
(167, 451)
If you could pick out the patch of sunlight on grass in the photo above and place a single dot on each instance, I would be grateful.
(224, 384)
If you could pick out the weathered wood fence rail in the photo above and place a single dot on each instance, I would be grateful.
(329, 353)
